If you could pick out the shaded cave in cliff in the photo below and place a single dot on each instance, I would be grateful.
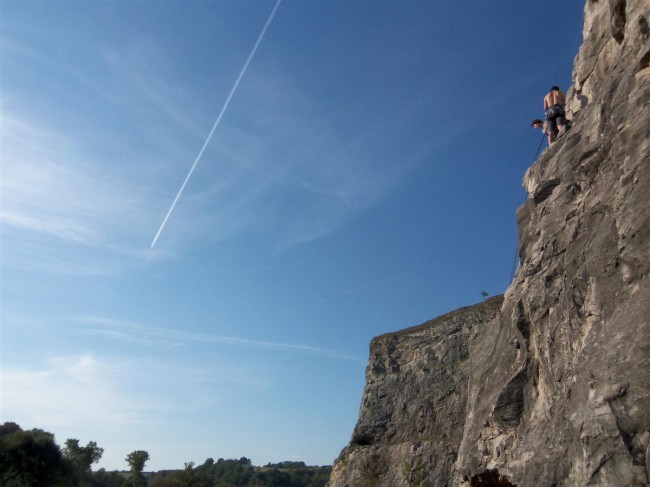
(490, 478)
(361, 440)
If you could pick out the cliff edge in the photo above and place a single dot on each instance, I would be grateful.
(549, 385)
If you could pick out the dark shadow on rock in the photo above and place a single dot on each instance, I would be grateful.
(490, 478)
(510, 405)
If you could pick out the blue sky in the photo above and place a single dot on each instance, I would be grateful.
(363, 179)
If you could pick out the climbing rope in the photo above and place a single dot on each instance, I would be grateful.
(538, 148)
(515, 261)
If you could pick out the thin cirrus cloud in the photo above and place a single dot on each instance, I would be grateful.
(147, 335)
(277, 166)
(54, 187)
(88, 389)
(56, 200)
(68, 389)
(142, 81)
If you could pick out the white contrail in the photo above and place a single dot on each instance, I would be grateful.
(214, 127)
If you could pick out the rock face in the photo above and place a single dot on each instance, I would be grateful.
(551, 386)
(416, 383)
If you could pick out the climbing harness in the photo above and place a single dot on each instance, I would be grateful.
(554, 111)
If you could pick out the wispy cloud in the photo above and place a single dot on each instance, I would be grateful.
(125, 403)
(279, 166)
(145, 334)
(65, 210)
(82, 390)
(54, 192)
(143, 79)
(68, 390)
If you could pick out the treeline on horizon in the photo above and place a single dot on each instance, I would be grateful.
(31, 458)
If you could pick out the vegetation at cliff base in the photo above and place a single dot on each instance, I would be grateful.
(31, 458)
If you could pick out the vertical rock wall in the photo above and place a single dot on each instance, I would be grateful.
(555, 390)
(565, 396)
(413, 408)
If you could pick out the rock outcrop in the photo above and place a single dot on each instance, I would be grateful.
(416, 383)
(551, 385)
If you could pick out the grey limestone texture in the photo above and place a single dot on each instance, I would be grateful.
(548, 385)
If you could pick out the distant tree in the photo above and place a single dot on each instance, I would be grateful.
(275, 478)
(102, 478)
(232, 473)
(286, 465)
(485, 294)
(193, 477)
(8, 428)
(81, 458)
(208, 467)
(241, 473)
(31, 458)
(136, 461)
(292, 474)
(188, 477)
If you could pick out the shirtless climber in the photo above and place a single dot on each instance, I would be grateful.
(554, 108)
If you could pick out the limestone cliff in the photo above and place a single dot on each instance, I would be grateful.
(551, 385)
(416, 383)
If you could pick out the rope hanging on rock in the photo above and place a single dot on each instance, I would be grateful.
(515, 263)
